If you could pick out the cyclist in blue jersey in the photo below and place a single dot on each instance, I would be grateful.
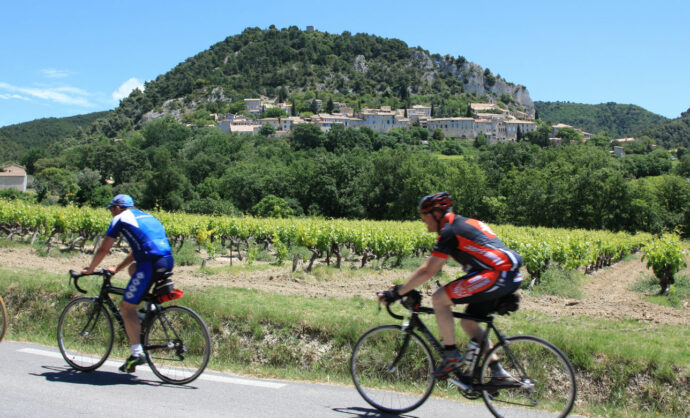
(493, 271)
(150, 254)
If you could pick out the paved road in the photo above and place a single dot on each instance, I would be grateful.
(36, 381)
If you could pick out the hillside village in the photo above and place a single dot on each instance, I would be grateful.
(499, 125)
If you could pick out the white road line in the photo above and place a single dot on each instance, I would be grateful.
(204, 376)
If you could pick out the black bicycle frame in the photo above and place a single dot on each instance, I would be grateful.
(103, 299)
(415, 323)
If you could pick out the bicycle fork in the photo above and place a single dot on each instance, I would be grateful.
(403, 348)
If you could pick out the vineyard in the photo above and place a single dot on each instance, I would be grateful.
(81, 228)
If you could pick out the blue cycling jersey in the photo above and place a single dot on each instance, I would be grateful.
(144, 233)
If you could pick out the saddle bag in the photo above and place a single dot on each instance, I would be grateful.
(164, 288)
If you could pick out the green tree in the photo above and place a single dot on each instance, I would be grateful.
(314, 107)
(30, 158)
(267, 130)
(167, 187)
(329, 105)
(167, 132)
(272, 206)
(273, 112)
(306, 136)
(58, 182)
(438, 134)
(540, 136)
(489, 79)
(481, 140)
(282, 94)
(665, 256)
(683, 167)
(92, 192)
(340, 139)
(569, 135)
(237, 107)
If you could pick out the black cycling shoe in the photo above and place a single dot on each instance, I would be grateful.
(452, 360)
(132, 362)
(498, 373)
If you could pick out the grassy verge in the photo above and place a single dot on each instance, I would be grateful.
(678, 294)
(625, 368)
(559, 282)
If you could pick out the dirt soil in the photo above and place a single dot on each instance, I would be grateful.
(607, 291)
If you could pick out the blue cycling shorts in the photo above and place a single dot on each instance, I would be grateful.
(141, 281)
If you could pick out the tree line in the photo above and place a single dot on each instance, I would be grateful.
(362, 174)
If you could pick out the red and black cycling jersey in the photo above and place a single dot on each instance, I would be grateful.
(473, 244)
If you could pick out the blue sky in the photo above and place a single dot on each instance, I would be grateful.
(73, 57)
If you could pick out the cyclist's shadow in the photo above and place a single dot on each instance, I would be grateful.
(368, 412)
(98, 378)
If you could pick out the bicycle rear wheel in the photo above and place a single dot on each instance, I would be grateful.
(3, 319)
(85, 334)
(392, 369)
(177, 345)
(541, 378)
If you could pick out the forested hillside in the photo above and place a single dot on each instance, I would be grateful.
(296, 66)
(672, 133)
(615, 120)
(16, 140)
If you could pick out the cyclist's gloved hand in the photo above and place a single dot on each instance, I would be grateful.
(390, 295)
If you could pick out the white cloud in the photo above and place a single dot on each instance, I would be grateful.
(53, 73)
(64, 95)
(12, 96)
(127, 87)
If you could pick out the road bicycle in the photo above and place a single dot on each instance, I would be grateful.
(391, 367)
(175, 339)
(3, 319)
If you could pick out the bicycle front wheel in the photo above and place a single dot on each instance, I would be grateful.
(177, 345)
(541, 377)
(392, 369)
(3, 319)
(85, 334)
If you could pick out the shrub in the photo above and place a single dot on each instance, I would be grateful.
(665, 256)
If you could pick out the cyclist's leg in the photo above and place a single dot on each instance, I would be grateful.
(484, 303)
(452, 358)
(470, 289)
(135, 290)
(481, 291)
(444, 316)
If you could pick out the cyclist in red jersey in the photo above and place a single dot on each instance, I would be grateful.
(493, 272)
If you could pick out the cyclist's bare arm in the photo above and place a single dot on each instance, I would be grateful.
(123, 265)
(425, 272)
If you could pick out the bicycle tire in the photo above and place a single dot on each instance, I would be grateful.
(389, 389)
(542, 377)
(177, 345)
(3, 319)
(85, 334)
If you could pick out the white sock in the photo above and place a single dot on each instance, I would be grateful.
(137, 350)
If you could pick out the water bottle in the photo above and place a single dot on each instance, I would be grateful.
(142, 314)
